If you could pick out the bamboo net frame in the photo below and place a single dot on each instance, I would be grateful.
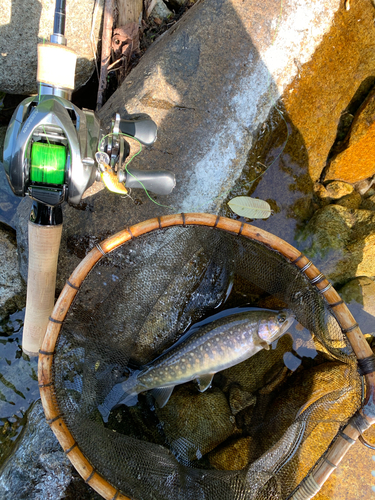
(362, 350)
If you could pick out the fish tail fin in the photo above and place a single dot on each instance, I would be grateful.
(121, 393)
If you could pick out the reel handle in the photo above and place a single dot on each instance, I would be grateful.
(44, 243)
(145, 130)
(157, 181)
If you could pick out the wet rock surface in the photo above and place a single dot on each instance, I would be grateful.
(328, 383)
(233, 455)
(341, 242)
(356, 162)
(39, 469)
(359, 295)
(12, 287)
(317, 105)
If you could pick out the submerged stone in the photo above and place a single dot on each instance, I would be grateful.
(341, 242)
(331, 391)
(338, 189)
(233, 455)
(195, 423)
(351, 201)
(369, 203)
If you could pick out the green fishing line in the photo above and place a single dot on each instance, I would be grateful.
(47, 163)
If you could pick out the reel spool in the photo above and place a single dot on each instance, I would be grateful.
(47, 163)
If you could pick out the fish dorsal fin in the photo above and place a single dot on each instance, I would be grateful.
(162, 395)
(204, 381)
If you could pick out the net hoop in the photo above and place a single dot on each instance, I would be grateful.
(346, 438)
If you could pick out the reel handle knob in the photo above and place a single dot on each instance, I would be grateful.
(157, 181)
(145, 130)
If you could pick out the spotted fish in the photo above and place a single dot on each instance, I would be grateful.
(214, 347)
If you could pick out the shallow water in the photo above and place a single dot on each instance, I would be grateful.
(18, 383)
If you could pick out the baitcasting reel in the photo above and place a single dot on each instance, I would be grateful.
(53, 152)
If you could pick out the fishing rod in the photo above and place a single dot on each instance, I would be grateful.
(53, 152)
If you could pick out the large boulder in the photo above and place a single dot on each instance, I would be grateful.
(24, 23)
(209, 83)
(322, 98)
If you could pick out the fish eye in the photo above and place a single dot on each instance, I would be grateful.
(281, 318)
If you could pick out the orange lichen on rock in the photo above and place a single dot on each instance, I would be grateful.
(357, 162)
(328, 82)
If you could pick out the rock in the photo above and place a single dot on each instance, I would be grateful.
(239, 399)
(12, 287)
(322, 91)
(39, 460)
(341, 242)
(25, 24)
(353, 475)
(235, 455)
(356, 162)
(359, 295)
(160, 10)
(337, 189)
(39, 469)
(364, 186)
(195, 423)
(369, 203)
(351, 201)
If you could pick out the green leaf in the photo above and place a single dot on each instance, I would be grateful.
(250, 207)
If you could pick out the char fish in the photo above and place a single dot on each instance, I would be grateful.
(214, 347)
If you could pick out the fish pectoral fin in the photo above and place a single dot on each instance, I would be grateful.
(162, 395)
(265, 345)
(205, 381)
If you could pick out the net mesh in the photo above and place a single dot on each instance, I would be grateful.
(265, 422)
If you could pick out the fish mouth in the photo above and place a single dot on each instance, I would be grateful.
(288, 323)
(290, 317)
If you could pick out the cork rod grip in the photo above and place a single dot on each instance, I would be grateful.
(44, 244)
